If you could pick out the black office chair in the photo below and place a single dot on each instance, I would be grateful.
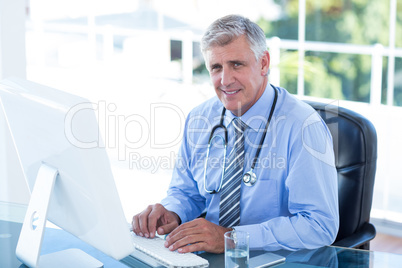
(355, 146)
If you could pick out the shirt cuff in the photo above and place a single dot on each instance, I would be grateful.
(255, 234)
(176, 209)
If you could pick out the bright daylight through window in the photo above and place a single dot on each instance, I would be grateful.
(139, 62)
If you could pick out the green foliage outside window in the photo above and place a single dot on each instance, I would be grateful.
(336, 75)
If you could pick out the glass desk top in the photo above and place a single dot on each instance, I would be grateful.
(12, 215)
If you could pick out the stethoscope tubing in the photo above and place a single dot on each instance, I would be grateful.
(249, 177)
(257, 154)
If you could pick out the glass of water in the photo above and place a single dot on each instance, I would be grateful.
(236, 249)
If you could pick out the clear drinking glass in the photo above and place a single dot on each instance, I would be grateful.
(236, 249)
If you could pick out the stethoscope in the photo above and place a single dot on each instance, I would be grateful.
(249, 178)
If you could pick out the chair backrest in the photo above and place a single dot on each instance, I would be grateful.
(355, 146)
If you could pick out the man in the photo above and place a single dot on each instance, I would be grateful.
(293, 204)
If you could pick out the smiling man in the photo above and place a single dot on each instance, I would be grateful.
(271, 137)
(238, 77)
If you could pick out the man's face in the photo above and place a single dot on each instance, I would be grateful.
(239, 79)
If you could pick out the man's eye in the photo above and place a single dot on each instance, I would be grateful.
(237, 64)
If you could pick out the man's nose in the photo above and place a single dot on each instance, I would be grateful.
(227, 77)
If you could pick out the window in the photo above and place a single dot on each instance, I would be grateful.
(126, 56)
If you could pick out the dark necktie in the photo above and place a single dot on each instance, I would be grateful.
(229, 207)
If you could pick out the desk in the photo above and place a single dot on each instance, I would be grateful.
(11, 217)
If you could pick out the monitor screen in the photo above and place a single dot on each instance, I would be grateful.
(60, 129)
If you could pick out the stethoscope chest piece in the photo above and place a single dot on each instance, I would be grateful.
(249, 178)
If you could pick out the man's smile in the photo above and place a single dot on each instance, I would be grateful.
(232, 92)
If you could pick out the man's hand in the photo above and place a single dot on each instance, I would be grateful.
(197, 235)
(155, 217)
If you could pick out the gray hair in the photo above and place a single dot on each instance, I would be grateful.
(226, 29)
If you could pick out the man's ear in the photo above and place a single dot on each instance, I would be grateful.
(265, 62)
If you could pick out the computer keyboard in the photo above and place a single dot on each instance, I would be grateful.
(154, 248)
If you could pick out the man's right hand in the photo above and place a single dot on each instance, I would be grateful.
(155, 218)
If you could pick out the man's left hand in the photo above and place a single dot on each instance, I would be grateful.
(197, 235)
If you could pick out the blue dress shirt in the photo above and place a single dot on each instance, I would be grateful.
(294, 203)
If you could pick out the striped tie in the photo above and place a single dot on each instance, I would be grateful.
(229, 207)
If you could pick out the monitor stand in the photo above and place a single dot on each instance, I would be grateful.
(31, 237)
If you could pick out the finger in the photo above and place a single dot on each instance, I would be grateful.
(153, 219)
(136, 225)
(167, 228)
(181, 228)
(185, 241)
(182, 236)
(160, 216)
(200, 246)
(143, 222)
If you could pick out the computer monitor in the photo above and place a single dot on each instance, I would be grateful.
(61, 154)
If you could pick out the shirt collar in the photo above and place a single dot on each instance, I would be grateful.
(256, 117)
